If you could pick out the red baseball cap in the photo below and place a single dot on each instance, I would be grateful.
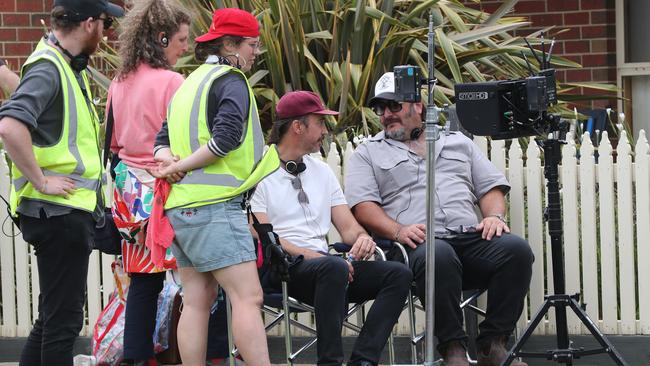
(301, 103)
(231, 22)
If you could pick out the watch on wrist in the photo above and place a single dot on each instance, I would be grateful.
(498, 216)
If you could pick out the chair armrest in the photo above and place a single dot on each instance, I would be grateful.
(340, 247)
(402, 250)
(345, 248)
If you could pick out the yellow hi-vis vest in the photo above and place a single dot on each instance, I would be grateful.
(76, 155)
(229, 176)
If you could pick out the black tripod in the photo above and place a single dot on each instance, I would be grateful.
(564, 353)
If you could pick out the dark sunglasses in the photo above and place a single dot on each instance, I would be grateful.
(108, 22)
(380, 107)
(296, 183)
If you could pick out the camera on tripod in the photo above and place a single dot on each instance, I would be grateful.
(502, 109)
(510, 108)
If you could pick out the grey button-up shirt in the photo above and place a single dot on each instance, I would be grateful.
(386, 171)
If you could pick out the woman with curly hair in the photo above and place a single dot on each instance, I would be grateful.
(154, 34)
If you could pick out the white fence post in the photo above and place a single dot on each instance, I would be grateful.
(642, 173)
(569, 196)
(7, 270)
(534, 191)
(587, 178)
(517, 214)
(627, 292)
(607, 236)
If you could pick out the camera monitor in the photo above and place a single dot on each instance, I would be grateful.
(503, 109)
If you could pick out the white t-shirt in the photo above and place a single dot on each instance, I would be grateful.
(303, 224)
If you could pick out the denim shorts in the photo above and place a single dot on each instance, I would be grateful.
(212, 236)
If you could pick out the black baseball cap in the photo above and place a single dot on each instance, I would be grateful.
(78, 10)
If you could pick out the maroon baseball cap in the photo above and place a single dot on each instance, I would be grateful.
(301, 103)
(231, 22)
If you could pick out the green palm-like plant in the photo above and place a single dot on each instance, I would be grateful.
(339, 48)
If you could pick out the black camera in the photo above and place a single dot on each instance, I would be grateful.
(407, 83)
(501, 109)
(508, 109)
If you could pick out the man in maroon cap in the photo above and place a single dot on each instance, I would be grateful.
(301, 201)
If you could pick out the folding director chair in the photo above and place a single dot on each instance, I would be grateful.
(279, 306)
(468, 305)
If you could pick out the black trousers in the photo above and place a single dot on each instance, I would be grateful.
(502, 265)
(140, 314)
(140, 319)
(323, 283)
(62, 245)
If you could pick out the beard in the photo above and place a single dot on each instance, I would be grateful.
(92, 43)
(89, 49)
(398, 134)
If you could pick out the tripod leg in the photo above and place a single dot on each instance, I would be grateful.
(527, 333)
(595, 332)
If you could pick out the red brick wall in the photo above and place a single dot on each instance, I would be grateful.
(589, 36)
(21, 28)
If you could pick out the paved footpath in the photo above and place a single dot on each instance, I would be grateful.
(16, 364)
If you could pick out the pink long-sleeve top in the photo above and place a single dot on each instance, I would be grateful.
(139, 108)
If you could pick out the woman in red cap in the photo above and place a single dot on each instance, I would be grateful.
(213, 129)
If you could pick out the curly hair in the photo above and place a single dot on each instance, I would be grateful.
(140, 30)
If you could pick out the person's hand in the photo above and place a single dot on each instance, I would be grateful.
(165, 161)
(363, 248)
(168, 169)
(164, 169)
(411, 235)
(57, 186)
(490, 226)
(350, 271)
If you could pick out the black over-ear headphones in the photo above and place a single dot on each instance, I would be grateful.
(79, 62)
(416, 132)
(294, 167)
(164, 41)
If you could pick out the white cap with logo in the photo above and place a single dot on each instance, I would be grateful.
(384, 88)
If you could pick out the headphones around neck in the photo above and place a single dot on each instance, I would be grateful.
(236, 55)
(416, 132)
(79, 62)
(294, 167)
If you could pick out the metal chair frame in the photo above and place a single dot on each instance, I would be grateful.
(290, 304)
(467, 305)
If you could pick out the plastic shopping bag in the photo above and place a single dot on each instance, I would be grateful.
(164, 321)
(108, 335)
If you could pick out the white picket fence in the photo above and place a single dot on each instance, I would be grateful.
(606, 211)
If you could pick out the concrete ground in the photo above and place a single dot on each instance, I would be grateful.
(634, 349)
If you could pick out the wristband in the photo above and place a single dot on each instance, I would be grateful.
(498, 216)
(396, 237)
(43, 187)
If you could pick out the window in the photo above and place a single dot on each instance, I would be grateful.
(633, 61)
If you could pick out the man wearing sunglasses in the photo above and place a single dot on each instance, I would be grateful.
(386, 188)
(301, 200)
(50, 130)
